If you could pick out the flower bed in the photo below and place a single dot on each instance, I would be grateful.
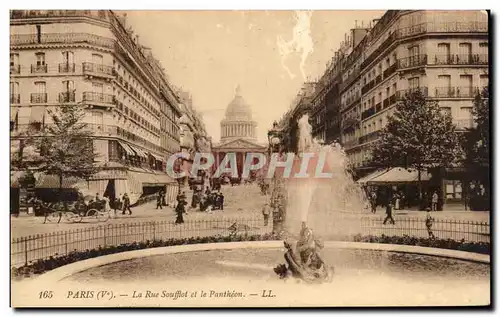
(51, 263)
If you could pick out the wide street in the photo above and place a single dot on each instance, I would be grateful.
(241, 202)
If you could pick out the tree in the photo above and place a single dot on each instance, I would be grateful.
(418, 136)
(65, 146)
(477, 143)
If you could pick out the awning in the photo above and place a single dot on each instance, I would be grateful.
(399, 175)
(157, 157)
(126, 148)
(52, 181)
(364, 180)
(139, 151)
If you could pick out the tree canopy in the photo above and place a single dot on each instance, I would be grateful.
(477, 140)
(419, 135)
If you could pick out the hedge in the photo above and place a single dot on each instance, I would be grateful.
(53, 262)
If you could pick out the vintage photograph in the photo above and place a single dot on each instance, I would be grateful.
(258, 158)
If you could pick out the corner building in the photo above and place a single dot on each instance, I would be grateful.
(92, 58)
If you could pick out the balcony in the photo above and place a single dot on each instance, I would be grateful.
(37, 69)
(456, 92)
(24, 14)
(373, 136)
(15, 69)
(68, 96)
(470, 59)
(463, 124)
(390, 70)
(378, 79)
(98, 70)
(400, 94)
(39, 98)
(378, 107)
(15, 98)
(367, 113)
(351, 143)
(412, 61)
(67, 67)
(92, 96)
(368, 87)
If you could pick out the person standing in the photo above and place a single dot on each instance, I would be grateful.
(117, 204)
(180, 210)
(397, 201)
(435, 199)
(159, 200)
(265, 213)
(126, 204)
(373, 201)
(388, 211)
(429, 221)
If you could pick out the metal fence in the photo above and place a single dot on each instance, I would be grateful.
(26, 250)
(471, 231)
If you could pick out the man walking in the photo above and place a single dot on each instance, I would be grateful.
(265, 213)
(435, 198)
(126, 204)
(159, 200)
(373, 201)
(388, 212)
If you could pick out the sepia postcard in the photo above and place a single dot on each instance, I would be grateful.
(250, 158)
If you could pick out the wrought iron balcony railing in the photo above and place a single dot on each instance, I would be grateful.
(98, 69)
(390, 70)
(463, 59)
(36, 69)
(401, 93)
(372, 136)
(67, 67)
(67, 96)
(456, 92)
(412, 61)
(368, 113)
(38, 98)
(368, 86)
(93, 96)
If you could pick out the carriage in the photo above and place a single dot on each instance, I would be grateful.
(75, 212)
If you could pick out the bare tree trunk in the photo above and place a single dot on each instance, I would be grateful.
(419, 187)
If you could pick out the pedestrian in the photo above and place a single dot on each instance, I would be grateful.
(126, 204)
(207, 191)
(221, 200)
(163, 198)
(159, 201)
(428, 224)
(373, 201)
(435, 198)
(117, 204)
(180, 210)
(388, 212)
(397, 199)
(265, 213)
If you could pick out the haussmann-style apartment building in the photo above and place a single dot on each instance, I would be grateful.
(442, 53)
(93, 58)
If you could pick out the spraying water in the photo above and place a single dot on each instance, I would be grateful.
(328, 205)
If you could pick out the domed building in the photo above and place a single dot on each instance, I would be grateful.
(238, 133)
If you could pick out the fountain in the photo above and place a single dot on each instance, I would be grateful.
(322, 204)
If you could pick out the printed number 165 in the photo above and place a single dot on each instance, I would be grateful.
(45, 294)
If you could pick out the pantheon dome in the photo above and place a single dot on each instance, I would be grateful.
(238, 123)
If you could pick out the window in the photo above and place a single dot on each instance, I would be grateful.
(67, 57)
(443, 55)
(465, 89)
(40, 59)
(387, 92)
(40, 87)
(98, 87)
(465, 49)
(68, 85)
(466, 112)
(39, 33)
(97, 59)
(14, 60)
(14, 88)
(483, 48)
(387, 62)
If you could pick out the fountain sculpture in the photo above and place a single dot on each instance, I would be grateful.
(326, 204)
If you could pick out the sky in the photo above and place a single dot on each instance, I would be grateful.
(268, 53)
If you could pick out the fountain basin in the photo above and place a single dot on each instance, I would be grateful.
(365, 275)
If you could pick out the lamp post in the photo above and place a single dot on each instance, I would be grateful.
(275, 139)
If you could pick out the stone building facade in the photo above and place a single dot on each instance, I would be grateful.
(93, 59)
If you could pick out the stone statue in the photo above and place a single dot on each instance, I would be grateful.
(304, 262)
